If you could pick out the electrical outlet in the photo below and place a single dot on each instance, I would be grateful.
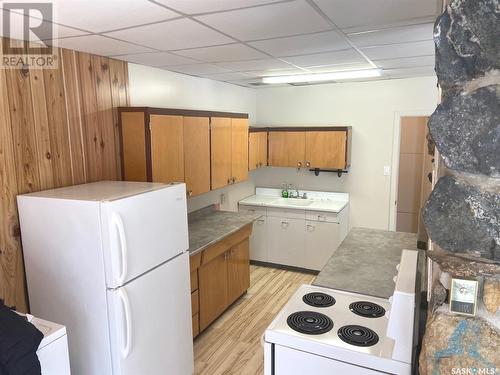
(223, 198)
(387, 170)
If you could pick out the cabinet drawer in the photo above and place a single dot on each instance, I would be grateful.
(289, 213)
(194, 280)
(195, 304)
(194, 261)
(196, 325)
(253, 209)
(329, 217)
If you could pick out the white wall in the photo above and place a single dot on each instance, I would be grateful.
(159, 88)
(370, 108)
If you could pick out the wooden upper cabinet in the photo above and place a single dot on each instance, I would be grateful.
(167, 148)
(239, 150)
(221, 146)
(229, 151)
(133, 143)
(322, 148)
(287, 148)
(206, 150)
(326, 149)
(262, 159)
(253, 151)
(197, 155)
(257, 150)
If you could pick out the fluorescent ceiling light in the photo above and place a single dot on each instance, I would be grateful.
(334, 76)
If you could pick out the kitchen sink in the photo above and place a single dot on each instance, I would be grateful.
(293, 202)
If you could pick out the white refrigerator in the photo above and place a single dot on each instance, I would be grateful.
(109, 261)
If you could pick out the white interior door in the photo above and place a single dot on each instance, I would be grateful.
(150, 320)
(143, 231)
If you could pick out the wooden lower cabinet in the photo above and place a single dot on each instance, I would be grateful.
(222, 276)
(238, 270)
(213, 290)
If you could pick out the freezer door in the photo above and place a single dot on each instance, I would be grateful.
(150, 320)
(142, 231)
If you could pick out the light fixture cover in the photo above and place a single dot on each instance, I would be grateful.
(318, 77)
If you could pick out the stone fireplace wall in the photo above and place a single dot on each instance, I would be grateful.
(462, 215)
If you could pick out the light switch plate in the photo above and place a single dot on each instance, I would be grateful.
(387, 170)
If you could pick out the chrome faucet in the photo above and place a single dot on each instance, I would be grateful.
(292, 188)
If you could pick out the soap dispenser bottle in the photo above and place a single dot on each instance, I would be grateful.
(284, 190)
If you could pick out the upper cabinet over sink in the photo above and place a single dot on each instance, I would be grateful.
(204, 149)
(311, 147)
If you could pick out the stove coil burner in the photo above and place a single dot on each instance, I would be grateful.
(317, 299)
(309, 322)
(367, 309)
(357, 335)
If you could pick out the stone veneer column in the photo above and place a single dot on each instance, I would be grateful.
(462, 215)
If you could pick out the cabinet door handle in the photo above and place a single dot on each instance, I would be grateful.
(284, 224)
(321, 218)
(311, 228)
(260, 221)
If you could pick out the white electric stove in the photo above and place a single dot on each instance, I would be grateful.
(326, 331)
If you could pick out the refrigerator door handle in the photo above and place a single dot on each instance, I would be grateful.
(128, 322)
(118, 224)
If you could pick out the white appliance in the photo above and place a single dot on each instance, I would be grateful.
(109, 261)
(53, 350)
(326, 331)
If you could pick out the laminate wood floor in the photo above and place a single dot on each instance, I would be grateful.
(232, 344)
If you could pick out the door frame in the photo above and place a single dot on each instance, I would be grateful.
(393, 207)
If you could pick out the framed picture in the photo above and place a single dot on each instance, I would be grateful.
(463, 297)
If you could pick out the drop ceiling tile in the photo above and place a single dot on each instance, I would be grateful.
(100, 16)
(370, 14)
(156, 59)
(227, 76)
(418, 71)
(270, 21)
(274, 72)
(57, 31)
(303, 44)
(339, 68)
(228, 52)
(172, 35)
(408, 62)
(263, 64)
(392, 51)
(197, 69)
(329, 58)
(100, 45)
(404, 34)
(204, 6)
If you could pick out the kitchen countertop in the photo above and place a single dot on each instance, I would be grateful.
(208, 226)
(320, 201)
(365, 262)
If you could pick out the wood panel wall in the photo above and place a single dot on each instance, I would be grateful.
(57, 128)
